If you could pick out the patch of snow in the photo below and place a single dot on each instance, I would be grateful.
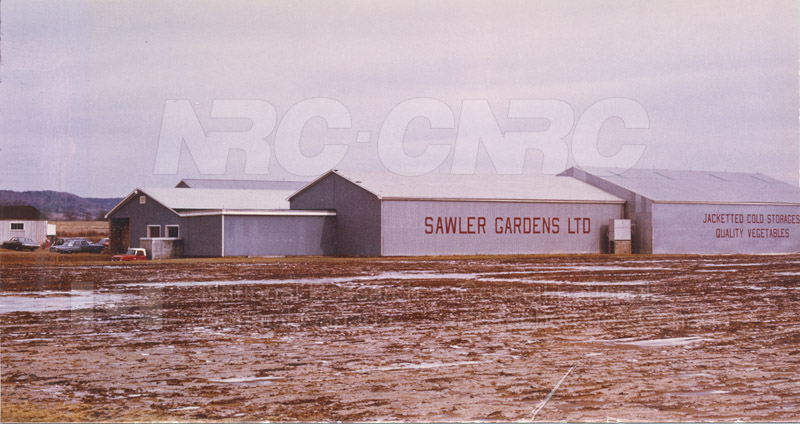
(609, 283)
(185, 408)
(235, 380)
(611, 268)
(668, 342)
(422, 366)
(706, 393)
(405, 275)
(594, 295)
(717, 270)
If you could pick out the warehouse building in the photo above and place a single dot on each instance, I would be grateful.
(24, 222)
(173, 222)
(703, 212)
(382, 214)
(436, 214)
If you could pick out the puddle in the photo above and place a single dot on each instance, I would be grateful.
(58, 301)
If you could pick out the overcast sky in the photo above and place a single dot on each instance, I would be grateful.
(83, 85)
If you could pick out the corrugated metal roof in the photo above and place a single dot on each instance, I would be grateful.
(257, 212)
(241, 184)
(700, 186)
(205, 199)
(23, 213)
(210, 198)
(478, 187)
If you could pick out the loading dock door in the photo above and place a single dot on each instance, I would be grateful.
(119, 235)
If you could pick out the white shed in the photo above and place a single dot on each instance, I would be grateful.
(22, 221)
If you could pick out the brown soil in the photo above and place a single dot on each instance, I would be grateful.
(652, 338)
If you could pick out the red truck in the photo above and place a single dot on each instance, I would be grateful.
(134, 254)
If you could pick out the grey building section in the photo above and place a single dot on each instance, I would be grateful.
(389, 215)
(703, 212)
(280, 235)
(143, 210)
(358, 213)
(240, 184)
(203, 236)
(204, 231)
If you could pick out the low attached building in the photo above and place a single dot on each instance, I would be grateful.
(22, 221)
(220, 222)
(703, 212)
(390, 215)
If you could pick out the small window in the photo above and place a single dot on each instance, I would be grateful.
(142, 200)
(172, 231)
(17, 226)
(153, 231)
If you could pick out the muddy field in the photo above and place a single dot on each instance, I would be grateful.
(94, 230)
(666, 338)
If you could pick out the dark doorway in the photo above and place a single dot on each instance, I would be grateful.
(119, 235)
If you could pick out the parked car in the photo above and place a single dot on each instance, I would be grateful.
(78, 246)
(104, 242)
(20, 243)
(134, 254)
(61, 241)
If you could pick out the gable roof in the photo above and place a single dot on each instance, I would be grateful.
(498, 188)
(661, 185)
(240, 184)
(22, 213)
(183, 199)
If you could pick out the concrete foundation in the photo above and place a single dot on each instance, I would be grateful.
(162, 247)
(619, 247)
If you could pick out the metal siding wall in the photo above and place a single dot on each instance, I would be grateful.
(35, 230)
(358, 214)
(202, 236)
(316, 197)
(679, 228)
(404, 228)
(151, 213)
(642, 219)
(279, 235)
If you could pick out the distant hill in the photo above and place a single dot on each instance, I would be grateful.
(59, 205)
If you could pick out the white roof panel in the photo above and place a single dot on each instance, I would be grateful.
(209, 198)
(241, 184)
(479, 187)
(700, 186)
